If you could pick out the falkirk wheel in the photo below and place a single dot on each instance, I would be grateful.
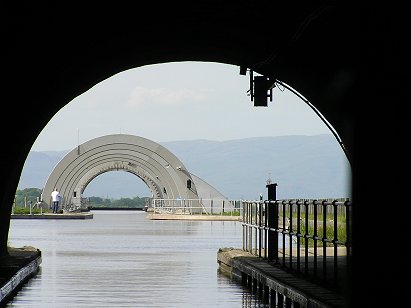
(163, 173)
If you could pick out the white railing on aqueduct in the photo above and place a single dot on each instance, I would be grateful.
(197, 206)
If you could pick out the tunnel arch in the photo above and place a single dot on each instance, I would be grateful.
(164, 174)
(350, 61)
(49, 60)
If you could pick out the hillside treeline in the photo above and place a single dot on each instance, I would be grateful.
(27, 195)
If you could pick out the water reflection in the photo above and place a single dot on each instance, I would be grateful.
(120, 259)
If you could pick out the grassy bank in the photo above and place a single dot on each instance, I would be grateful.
(26, 211)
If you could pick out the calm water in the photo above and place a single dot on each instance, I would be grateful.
(121, 259)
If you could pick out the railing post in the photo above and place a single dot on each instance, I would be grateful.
(272, 211)
(315, 236)
(244, 225)
(261, 227)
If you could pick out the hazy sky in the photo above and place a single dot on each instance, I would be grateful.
(177, 101)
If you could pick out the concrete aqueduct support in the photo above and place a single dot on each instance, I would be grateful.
(163, 173)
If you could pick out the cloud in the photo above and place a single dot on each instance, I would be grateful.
(141, 96)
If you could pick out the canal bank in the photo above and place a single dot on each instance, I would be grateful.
(273, 284)
(21, 264)
(16, 269)
(53, 216)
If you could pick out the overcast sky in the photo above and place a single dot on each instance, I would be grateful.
(177, 101)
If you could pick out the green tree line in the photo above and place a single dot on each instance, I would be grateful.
(32, 194)
(135, 202)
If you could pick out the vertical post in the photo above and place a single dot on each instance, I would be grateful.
(335, 240)
(244, 226)
(283, 227)
(315, 236)
(265, 228)
(290, 234)
(250, 227)
(256, 227)
(348, 243)
(298, 235)
(324, 239)
(272, 212)
(306, 235)
(260, 230)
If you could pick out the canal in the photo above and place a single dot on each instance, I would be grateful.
(121, 259)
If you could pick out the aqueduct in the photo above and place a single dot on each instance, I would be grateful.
(163, 173)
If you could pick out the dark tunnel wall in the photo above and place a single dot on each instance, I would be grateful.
(348, 61)
(57, 51)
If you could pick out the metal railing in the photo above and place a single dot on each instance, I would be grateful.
(77, 204)
(38, 205)
(309, 237)
(196, 207)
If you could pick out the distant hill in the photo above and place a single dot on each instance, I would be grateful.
(302, 166)
(38, 167)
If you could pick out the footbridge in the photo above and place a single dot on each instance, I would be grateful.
(163, 173)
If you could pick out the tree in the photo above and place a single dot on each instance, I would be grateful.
(31, 194)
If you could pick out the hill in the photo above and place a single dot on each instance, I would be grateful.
(302, 166)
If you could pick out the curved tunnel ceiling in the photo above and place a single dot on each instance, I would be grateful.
(351, 61)
(164, 174)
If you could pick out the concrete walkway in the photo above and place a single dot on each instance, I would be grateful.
(16, 269)
(270, 278)
(53, 216)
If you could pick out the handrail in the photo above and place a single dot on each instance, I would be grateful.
(196, 206)
(313, 236)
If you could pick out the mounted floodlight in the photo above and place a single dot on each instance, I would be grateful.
(262, 89)
(243, 70)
